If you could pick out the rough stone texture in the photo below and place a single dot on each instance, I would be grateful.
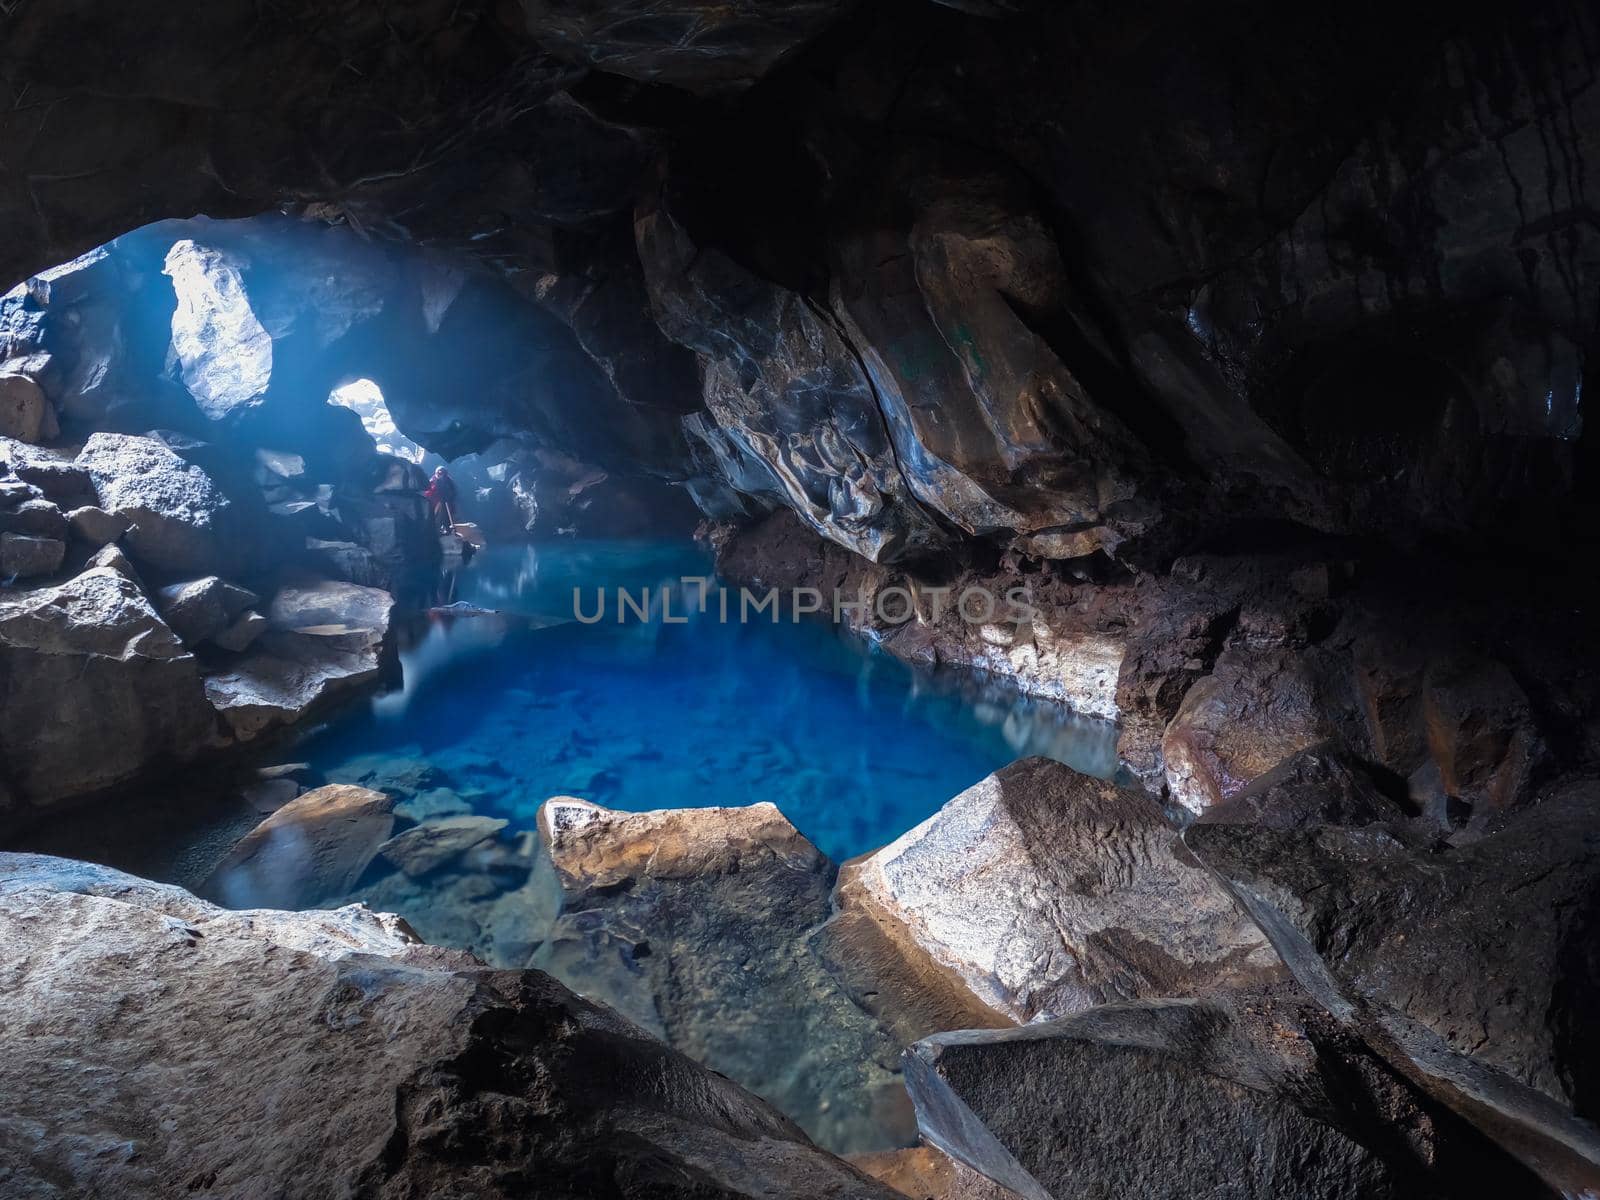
(1488, 944)
(285, 676)
(693, 922)
(24, 556)
(200, 609)
(180, 519)
(36, 517)
(1253, 1096)
(96, 526)
(431, 845)
(924, 1173)
(363, 1064)
(95, 688)
(25, 413)
(1045, 892)
(223, 350)
(312, 849)
(334, 608)
(243, 632)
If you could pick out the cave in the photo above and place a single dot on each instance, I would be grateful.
(954, 599)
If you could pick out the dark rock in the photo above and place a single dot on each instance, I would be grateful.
(93, 636)
(25, 413)
(438, 842)
(243, 632)
(310, 850)
(1490, 945)
(23, 556)
(437, 1076)
(692, 922)
(201, 609)
(96, 526)
(1316, 787)
(37, 518)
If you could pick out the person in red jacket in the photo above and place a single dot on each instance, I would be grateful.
(441, 493)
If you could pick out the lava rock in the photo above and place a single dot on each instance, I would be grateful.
(96, 526)
(692, 922)
(1490, 945)
(360, 1051)
(1043, 892)
(201, 609)
(312, 849)
(286, 676)
(25, 413)
(24, 557)
(36, 518)
(437, 842)
(93, 636)
(243, 632)
(180, 519)
(333, 608)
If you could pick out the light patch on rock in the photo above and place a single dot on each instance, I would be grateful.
(225, 352)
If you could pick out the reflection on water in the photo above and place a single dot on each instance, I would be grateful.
(854, 746)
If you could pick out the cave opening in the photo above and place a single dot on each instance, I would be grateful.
(938, 598)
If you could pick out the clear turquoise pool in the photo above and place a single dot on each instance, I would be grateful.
(854, 746)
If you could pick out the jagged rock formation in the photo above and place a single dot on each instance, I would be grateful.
(436, 1074)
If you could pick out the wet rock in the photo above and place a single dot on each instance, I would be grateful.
(1489, 945)
(254, 1006)
(1177, 1098)
(431, 804)
(200, 609)
(224, 353)
(180, 518)
(692, 921)
(431, 845)
(25, 413)
(399, 775)
(23, 556)
(97, 637)
(926, 1173)
(96, 526)
(312, 849)
(1255, 711)
(1043, 892)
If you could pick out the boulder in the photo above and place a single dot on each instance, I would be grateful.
(1319, 786)
(312, 849)
(243, 632)
(438, 842)
(1250, 1096)
(1042, 892)
(285, 676)
(24, 557)
(93, 524)
(693, 922)
(1489, 945)
(1257, 709)
(327, 1053)
(332, 608)
(25, 413)
(37, 518)
(95, 686)
(179, 516)
(112, 557)
(200, 609)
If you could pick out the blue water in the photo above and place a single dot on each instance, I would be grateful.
(852, 745)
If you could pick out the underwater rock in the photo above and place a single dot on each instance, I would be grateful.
(1043, 892)
(693, 923)
(1254, 1095)
(1490, 944)
(311, 850)
(438, 841)
(200, 609)
(94, 636)
(23, 556)
(360, 1060)
(181, 520)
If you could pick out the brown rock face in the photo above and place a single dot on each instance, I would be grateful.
(694, 922)
(1044, 892)
(325, 1053)
(312, 849)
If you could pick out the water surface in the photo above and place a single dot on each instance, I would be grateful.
(854, 746)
